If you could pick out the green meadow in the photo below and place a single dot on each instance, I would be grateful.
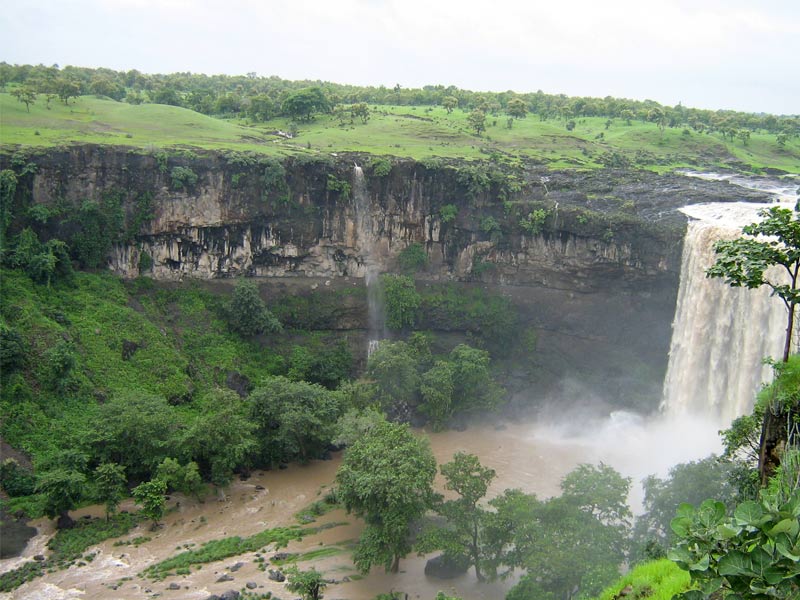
(415, 132)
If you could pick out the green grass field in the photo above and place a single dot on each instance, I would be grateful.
(412, 132)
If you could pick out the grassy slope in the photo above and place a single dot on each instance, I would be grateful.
(656, 580)
(184, 345)
(97, 121)
(414, 132)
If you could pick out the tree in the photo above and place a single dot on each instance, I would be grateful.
(247, 313)
(386, 477)
(477, 121)
(222, 436)
(295, 420)
(393, 368)
(62, 489)
(25, 95)
(136, 430)
(260, 107)
(517, 108)
(309, 584)
(166, 95)
(449, 103)
(659, 117)
(462, 536)
(573, 543)
(151, 496)
(302, 105)
(110, 481)
(181, 478)
(436, 388)
(746, 262)
(361, 111)
(66, 89)
(474, 389)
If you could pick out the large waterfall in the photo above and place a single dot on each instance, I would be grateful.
(720, 334)
(375, 306)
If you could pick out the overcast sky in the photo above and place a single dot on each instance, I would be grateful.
(733, 54)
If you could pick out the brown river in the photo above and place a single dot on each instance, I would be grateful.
(527, 457)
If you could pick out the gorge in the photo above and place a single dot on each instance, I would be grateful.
(595, 283)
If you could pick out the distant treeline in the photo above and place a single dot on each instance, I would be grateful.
(264, 98)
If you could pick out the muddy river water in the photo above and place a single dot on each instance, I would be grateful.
(528, 457)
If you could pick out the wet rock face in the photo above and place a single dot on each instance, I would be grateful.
(235, 220)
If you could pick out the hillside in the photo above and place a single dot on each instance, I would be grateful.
(416, 132)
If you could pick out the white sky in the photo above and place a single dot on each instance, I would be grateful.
(737, 54)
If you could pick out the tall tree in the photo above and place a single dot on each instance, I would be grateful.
(462, 536)
(386, 477)
(477, 121)
(110, 482)
(745, 262)
(26, 95)
(151, 496)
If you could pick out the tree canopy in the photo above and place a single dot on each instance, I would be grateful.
(386, 478)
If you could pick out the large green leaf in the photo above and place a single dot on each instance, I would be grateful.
(784, 547)
(685, 510)
(727, 532)
(735, 563)
(711, 513)
(712, 585)
(680, 555)
(681, 526)
(700, 565)
(748, 513)
(774, 575)
(790, 526)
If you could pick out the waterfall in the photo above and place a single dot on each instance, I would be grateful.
(720, 334)
(375, 306)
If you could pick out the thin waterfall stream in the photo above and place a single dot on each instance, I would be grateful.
(375, 308)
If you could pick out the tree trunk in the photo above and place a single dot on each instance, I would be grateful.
(773, 442)
(395, 565)
(774, 433)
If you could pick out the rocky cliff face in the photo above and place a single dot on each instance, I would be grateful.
(597, 267)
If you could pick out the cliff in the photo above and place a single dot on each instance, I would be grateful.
(590, 259)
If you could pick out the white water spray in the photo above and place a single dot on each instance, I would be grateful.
(375, 307)
(721, 334)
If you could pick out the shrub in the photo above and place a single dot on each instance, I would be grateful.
(274, 179)
(247, 313)
(448, 213)
(533, 224)
(15, 479)
(413, 258)
(402, 301)
(183, 178)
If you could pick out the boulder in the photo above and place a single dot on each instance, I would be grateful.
(445, 566)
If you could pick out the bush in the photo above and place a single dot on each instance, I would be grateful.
(338, 185)
(274, 179)
(448, 213)
(13, 350)
(413, 258)
(247, 313)
(381, 167)
(183, 178)
(15, 479)
(534, 222)
(402, 301)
